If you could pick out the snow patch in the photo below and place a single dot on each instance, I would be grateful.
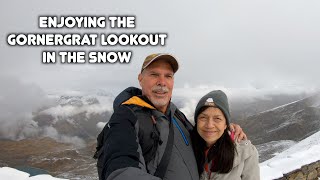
(303, 153)
(7, 173)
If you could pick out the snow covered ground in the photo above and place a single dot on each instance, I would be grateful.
(302, 153)
(7, 173)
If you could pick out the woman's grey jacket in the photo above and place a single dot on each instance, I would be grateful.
(245, 165)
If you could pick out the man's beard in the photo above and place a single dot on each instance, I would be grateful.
(160, 102)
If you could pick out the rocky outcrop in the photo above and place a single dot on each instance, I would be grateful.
(307, 172)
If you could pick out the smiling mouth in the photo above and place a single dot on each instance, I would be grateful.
(160, 92)
(210, 132)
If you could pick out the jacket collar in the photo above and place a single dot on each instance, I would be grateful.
(144, 102)
(139, 102)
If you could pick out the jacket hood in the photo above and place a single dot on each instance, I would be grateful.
(125, 95)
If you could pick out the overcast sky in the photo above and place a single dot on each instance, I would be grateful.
(226, 43)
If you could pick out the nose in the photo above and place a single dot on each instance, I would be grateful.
(161, 81)
(210, 124)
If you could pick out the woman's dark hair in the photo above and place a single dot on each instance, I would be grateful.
(222, 152)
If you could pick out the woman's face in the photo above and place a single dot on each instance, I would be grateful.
(211, 124)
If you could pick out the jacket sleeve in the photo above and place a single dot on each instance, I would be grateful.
(122, 153)
(251, 169)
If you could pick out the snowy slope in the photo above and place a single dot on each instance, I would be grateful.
(304, 152)
(7, 173)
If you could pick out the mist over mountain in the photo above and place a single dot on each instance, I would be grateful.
(275, 129)
(293, 121)
(18, 100)
(241, 109)
(76, 116)
(71, 116)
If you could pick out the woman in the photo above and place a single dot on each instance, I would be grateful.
(218, 155)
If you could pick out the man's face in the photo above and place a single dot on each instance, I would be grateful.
(156, 82)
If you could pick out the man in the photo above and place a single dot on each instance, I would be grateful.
(148, 136)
